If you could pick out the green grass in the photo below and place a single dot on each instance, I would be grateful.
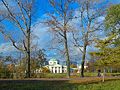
(58, 85)
(51, 75)
(63, 75)
(109, 85)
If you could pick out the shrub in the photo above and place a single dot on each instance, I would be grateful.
(45, 70)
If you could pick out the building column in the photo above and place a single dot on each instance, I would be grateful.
(53, 69)
(61, 69)
(58, 70)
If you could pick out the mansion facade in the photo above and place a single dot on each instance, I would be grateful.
(55, 67)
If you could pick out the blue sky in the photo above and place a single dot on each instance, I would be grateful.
(44, 37)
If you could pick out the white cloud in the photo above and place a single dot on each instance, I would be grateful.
(6, 48)
(42, 34)
(77, 51)
(101, 19)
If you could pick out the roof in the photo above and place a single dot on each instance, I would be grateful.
(53, 59)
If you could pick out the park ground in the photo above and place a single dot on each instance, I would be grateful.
(76, 83)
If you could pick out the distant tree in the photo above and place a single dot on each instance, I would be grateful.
(58, 21)
(112, 19)
(41, 58)
(112, 22)
(73, 66)
(19, 14)
(11, 69)
(105, 52)
(107, 56)
(1, 66)
(21, 67)
(45, 70)
(91, 64)
(8, 59)
(38, 61)
(89, 24)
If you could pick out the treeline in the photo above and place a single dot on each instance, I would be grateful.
(11, 67)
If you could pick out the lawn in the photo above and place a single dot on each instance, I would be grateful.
(63, 75)
(72, 84)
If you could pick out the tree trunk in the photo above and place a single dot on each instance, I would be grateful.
(28, 54)
(83, 57)
(67, 55)
(83, 61)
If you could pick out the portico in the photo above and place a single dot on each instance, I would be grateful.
(55, 67)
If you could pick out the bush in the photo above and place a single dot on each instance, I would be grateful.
(45, 70)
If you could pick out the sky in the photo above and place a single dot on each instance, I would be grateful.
(44, 37)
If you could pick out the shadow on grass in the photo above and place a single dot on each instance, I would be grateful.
(61, 84)
(36, 85)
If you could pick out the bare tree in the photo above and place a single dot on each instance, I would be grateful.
(20, 14)
(90, 15)
(58, 22)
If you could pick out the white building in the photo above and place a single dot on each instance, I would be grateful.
(79, 68)
(54, 67)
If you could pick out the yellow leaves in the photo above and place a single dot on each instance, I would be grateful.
(45, 70)
(73, 66)
(20, 69)
(11, 67)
